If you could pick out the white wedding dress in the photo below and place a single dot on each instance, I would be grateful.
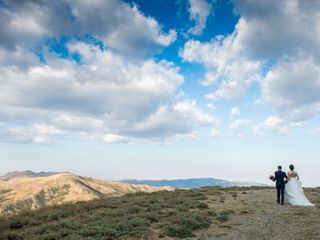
(294, 193)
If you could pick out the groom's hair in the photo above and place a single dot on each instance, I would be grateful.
(279, 167)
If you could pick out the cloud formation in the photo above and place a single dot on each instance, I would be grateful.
(272, 46)
(225, 64)
(199, 11)
(118, 25)
(105, 97)
(293, 87)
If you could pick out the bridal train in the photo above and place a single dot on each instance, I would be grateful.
(294, 193)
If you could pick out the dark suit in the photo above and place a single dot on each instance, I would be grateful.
(280, 184)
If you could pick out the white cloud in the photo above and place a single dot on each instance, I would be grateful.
(37, 133)
(120, 26)
(240, 127)
(22, 23)
(104, 95)
(239, 123)
(111, 138)
(105, 85)
(245, 127)
(45, 129)
(210, 96)
(225, 64)
(281, 125)
(77, 122)
(199, 11)
(211, 106)
(277, 124)
(266, 42)
(178, 118)
(293, 87)
(235, 111)
(268, 29)
(20, 57)
(130, 32)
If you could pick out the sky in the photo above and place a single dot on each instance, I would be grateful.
(158, 89)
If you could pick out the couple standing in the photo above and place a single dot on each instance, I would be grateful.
(290, 188)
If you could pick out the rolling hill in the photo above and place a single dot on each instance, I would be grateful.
(28, 190)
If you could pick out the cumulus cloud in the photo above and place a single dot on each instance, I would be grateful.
(111, 91)
(120, 26)
(93, 87)
(293, 87)
(266, 48)
(178, 118)
(199, 11)
(269, 28)
(104, 97)
(225, 64)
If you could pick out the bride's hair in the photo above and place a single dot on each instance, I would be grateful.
(291, 167)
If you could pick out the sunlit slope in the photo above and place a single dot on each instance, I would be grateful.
(28, 192)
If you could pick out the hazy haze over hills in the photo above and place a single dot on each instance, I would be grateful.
(192, 182)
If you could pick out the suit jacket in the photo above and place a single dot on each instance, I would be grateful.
(279, 178)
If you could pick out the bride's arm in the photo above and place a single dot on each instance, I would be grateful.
(297, 176)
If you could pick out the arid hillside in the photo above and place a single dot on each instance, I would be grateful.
(31, 191)
(205, 213)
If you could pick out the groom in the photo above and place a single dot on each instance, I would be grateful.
(279, 177)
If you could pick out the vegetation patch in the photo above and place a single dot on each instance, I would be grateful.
(176, 214)
(224, 216)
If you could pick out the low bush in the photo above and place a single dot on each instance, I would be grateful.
(177, 214)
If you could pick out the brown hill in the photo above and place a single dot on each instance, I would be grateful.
(29, 191)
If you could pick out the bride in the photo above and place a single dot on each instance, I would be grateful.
(293, 190)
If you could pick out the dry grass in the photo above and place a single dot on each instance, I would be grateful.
(205, 213)
(252, 213)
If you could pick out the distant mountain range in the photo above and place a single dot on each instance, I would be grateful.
(192, 183)
(29, 190)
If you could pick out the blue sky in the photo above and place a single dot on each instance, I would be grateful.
(160, 89)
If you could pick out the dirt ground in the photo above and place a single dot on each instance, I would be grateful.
(254, 214)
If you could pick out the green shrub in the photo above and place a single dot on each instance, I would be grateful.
(14, 236)
(135, 216)
(19, 222)
(224, 216)
(178, 231)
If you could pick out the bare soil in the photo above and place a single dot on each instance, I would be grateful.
(254, 214)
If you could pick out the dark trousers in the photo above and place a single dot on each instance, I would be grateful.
(280, 194)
